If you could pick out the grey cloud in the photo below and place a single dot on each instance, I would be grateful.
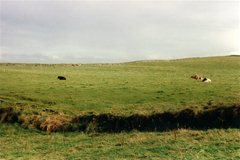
(116, 31)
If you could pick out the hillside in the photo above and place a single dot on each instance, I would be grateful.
(137, 110)
(121, 88)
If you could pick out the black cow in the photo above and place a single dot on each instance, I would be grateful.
(61, 78)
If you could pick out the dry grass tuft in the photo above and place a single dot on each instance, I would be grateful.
(55, 123)
(46, 122)
(138, 138)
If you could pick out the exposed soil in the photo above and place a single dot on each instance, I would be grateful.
(221, 117)
(8, 115)
(51, 121)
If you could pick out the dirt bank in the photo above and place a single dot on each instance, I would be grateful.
(219, 117)
(8, 115)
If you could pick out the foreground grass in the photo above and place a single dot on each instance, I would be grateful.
(121, 88)
(18, 143)
(138, 87)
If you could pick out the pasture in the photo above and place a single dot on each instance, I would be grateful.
(19, 143)
(125, 89)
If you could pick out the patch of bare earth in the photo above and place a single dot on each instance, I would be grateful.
(53, 121)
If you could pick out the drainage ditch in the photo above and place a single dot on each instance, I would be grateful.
(218, 117)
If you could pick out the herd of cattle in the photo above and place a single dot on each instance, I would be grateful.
(196, 77)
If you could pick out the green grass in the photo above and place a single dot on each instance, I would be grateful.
(121, 88)
(136, 87)
(18, 143)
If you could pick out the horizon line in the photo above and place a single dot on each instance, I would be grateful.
(134, 61)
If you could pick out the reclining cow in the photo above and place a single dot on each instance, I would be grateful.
(197, 77)
(61, 78)
(206, 80)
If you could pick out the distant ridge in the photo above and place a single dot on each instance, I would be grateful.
(117, 63)
(234, 55)
(179, 59)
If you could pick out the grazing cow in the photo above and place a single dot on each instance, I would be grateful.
(61, 78)
(206, 80)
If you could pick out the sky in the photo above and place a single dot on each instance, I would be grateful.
(54, 31)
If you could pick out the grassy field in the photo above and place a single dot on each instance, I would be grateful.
(18, 143)
(121, 88)
(124, 89)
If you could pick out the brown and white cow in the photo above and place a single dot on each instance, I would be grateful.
(207, 80)
(197, 77)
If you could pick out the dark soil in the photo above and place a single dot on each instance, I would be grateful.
(218, 117)
(8, 115)
(221, 117)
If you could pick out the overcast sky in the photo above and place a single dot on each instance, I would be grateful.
(108, 31)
